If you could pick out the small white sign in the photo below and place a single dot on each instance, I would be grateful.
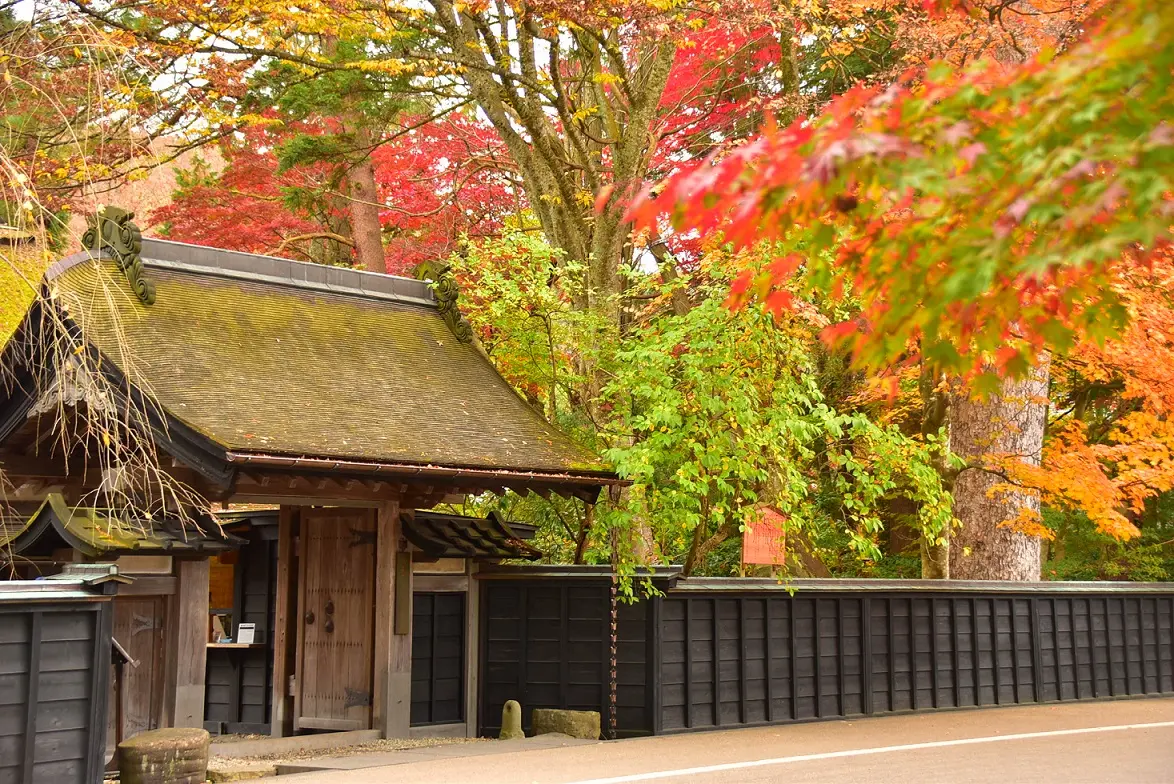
(246, 633)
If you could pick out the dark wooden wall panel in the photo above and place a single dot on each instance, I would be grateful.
(696, 658)
(438, 658)
(730, 658)
(54, 682)
(547, 644)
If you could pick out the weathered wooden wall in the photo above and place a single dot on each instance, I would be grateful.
(547, 643)
(54, 685)
(731, 659)
(727, 653)
(438, 658)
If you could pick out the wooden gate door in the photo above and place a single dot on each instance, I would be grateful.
(138, 626)
(336, 634)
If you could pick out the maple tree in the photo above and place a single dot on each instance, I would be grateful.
(981, 214)
(979, 217)
(435, 184)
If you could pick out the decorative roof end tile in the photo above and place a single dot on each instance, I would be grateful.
(112, 229)
(444, 286)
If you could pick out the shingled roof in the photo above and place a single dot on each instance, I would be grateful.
(271, 359)
(101, 532)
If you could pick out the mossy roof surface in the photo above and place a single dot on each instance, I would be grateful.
(269, 368)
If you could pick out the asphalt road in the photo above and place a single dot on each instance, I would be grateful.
(1120, 741)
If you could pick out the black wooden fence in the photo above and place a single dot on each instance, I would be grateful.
(54, 680)
(725, 653)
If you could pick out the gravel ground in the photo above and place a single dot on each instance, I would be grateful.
(391, 744)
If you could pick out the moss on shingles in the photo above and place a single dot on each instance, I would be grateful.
(274, 369)
(21, 267)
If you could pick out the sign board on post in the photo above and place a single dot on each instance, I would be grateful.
(765, 539)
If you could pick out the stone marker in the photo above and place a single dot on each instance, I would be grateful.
(511, 721)
(577, 724)
(170, 756)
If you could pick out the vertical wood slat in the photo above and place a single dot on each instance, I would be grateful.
(974, 657)
(523, 636)
(1014, 650)
(284, 634)
(1145, 657)
(1036, 652)
(33, 696)
(564, 644)
(1109, 646)
(1125, 645)
(818, 658)
(100, 691)
(913, 653)
(891, 647)
(933, 647)
(794, 664)
(994, 616)
(435, 611)
(866, 655)
(742, 695)
(1163, 671)
(842, 654)
(1056, 651)
(716, 661)
(1092, 650)
(688, 661)
(954, 640)
(656, 666)
(768, 652)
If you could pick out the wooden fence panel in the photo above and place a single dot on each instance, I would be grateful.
(727, 653)
(547, 644)
(732, 658)
(54, 679)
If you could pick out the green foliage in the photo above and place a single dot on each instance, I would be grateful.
(522, 297)
(1081, 552)
(722, 413)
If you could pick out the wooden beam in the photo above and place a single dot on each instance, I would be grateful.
(18, 465)
(392, 700)
(187, 649)
(298, 490)
(472, 652)
(285, 613)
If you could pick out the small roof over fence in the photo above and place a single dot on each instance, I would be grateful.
(439, 535)
(98, 532)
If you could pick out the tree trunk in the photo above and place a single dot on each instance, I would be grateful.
(1009, 423)
(363, 207)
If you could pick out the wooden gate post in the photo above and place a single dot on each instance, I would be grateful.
(284, 631)
(187, 644)
(392, 702)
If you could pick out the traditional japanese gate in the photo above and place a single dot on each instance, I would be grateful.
(336, 629)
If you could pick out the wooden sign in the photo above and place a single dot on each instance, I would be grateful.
(764, 541)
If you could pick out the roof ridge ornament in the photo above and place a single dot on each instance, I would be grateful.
(111, 229)
(444, 286)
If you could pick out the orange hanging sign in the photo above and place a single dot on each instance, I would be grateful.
(765, 539)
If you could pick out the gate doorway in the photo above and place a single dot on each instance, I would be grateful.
(336, 603)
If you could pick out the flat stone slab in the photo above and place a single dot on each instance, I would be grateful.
(407, 756)
(577, 724)
(267, 746)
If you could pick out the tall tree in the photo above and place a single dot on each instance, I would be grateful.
(983, 215)
(433, 185)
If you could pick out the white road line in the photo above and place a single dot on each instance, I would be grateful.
(937, 744)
